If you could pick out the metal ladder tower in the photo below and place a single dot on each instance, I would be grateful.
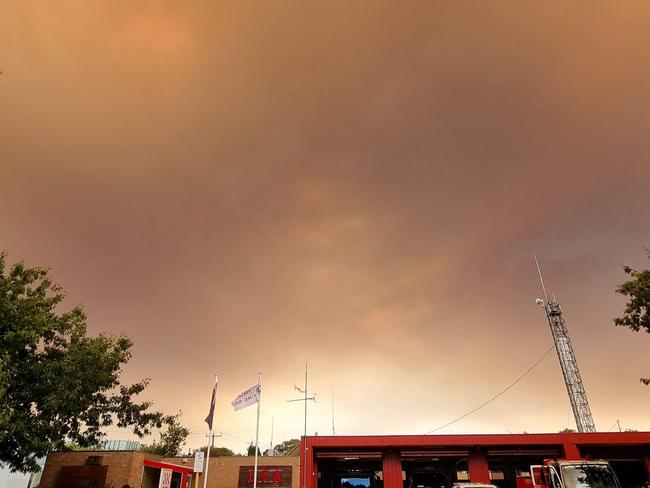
(568, 363)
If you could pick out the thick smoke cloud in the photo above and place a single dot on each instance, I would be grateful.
(240, 186)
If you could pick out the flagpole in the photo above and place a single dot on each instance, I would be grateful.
(305, 458)
(210, 438)
(257, 427)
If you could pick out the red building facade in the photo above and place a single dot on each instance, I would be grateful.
(437, 461)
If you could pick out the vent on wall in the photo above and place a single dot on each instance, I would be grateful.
(94, 460)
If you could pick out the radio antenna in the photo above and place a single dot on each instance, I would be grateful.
(333, 428)
(541, 280)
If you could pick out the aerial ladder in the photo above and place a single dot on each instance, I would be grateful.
(567, 358)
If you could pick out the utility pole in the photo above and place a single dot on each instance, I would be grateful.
(568, 362)
(212, 436)
(305, 399)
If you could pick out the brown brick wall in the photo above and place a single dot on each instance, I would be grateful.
(224, 471)
(124, 468)
(127, 468)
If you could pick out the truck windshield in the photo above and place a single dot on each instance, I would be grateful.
(588, 476)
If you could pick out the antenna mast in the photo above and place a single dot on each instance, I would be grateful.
(333, 428)
(568, 363)
(305, 399)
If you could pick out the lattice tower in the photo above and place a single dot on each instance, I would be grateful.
(569, 365)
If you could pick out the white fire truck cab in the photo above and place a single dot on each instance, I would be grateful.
(574, 474)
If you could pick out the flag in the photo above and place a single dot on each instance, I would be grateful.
(208, 419)
(247, 397)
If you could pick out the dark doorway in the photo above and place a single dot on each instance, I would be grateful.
(350, 473)
(435, 472)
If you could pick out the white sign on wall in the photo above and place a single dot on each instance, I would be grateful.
(198, 461)
(165, 478)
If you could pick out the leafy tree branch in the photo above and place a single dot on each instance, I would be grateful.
(636, 315)
(58, 385)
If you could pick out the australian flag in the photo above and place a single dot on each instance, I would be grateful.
(208, 419)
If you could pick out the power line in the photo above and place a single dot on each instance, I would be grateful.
(193, 432)
(495, 396)
(235, 437)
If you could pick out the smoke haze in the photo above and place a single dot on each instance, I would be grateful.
(240, 186)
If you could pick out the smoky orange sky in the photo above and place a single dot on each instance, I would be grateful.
(240, 186)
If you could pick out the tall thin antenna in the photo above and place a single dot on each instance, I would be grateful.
(305, 399)
(568, 362)
(271, 451)
(541, 280)
(333, 428)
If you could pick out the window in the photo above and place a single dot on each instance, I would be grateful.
(589, 476)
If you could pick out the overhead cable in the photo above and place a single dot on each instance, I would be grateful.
(495, 396)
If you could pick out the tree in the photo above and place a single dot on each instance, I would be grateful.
(251, 450)
(218, 451)
(637, 310)
(286, 447)
(57, 384)
(171, 441)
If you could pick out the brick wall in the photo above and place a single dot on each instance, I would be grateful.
(124, 468)
(127, 467)
(224, 471)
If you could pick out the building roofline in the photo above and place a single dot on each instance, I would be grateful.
(585, 438)
(164, 465)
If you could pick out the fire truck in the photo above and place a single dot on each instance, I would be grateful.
(572, 474)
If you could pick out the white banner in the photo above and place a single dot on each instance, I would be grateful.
(165, 478)
(248, 397)
(198, 461)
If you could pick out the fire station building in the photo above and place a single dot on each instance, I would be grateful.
(420, 461)
(438, 461)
